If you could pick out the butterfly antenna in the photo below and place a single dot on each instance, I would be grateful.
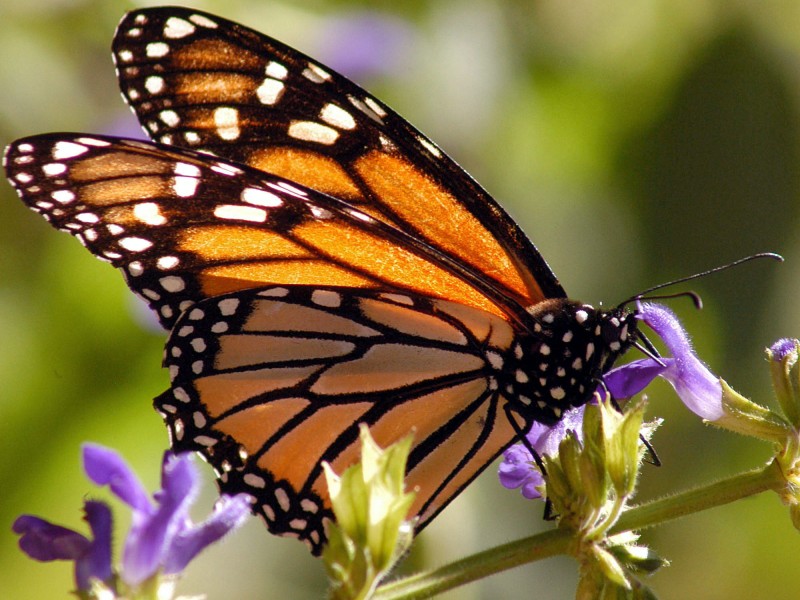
(696, 299)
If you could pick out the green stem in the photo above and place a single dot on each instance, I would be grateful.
(701, 498)
(560, 541)
(477, 566)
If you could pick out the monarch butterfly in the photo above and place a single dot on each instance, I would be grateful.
(319, 264)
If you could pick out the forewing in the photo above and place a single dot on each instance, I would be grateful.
(199, 81)
(184, 226)
(269, 383)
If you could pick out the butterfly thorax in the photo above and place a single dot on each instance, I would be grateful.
(557, 363)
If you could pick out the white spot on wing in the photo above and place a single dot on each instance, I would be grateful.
(276, 70)
(169, 118)
(429, 146)
(226, 120)
(66, 149)
(226, 170)
(87, 217)
(228, 306)
(203, 21)
(360, 105)
(149, 213)
(167, 262)
(327, 298)
(135, 244)
(182, 168)
(185, 187)
(283, 499)
(270, 91)
(320, 213)
(63, 196)
(310, 131)
(254, 480)
(177, 28)
(337, 116)
(156, 49)
(173, 283)
(494, 359)
(375, 106)
(236, 212)
(50, 169)
(278, 292)
(316, 74)
(93, 142)
(288, 188)
(154, 84)
(260, 197)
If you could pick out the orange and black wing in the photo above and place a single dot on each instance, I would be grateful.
(268, 383)
(184, 226)
(199, 81)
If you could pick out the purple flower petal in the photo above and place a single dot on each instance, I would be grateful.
(519, 470)
(229, 513)
(782, 347)
(96, 563)
(698, 388)
(106, 467)
(148, 543)
(43, 541)
(630, 379)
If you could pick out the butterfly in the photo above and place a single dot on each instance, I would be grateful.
(319, 264)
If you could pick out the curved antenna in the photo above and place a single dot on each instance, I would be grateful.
(735, 263)
(691, 294)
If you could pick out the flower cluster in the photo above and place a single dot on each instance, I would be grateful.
(162, 539)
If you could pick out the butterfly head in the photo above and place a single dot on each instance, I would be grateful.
(559, 361)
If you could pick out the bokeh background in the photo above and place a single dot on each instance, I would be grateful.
(635, 142)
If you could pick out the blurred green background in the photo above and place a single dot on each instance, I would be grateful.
(635, 142)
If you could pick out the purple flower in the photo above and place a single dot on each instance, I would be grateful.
(162, 538)
(43, 541)
(696, 386)
(781, 348)
(162, 535)
(519, 470)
